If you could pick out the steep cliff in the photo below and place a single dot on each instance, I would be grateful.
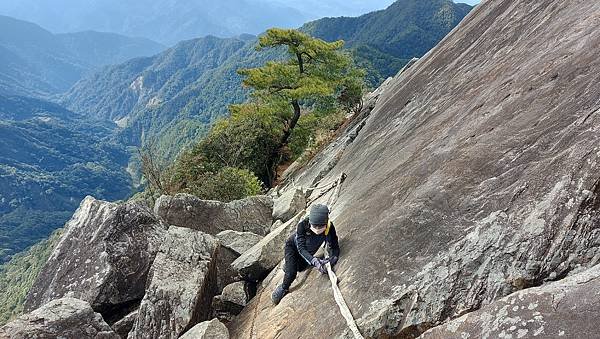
(465, 194)
(474, 176)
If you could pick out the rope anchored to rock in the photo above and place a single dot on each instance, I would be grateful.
(339, 300)
(337, 294)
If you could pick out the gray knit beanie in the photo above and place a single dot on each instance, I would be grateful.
(319, 215)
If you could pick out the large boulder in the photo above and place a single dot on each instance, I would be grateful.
(476, 175)
(60, 318)
(239, 242)
(213, 329)
(288, 204)
(233, 243)
(564, 309)
(182, 283)
(255, 263)
(103, 257)
(252, 214)
(125, 324)
(231, 301)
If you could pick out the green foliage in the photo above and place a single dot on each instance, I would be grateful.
(246, 140)
(315, 69)
(384, 41)
(50, 159)
(223, 166)
(312, 131)
(18, 275)
(226, 184)
(317, 77)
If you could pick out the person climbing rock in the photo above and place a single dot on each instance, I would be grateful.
(304, 243)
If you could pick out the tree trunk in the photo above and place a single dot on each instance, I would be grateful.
(278, 152)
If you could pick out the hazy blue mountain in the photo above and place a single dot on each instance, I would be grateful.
(165, 21)
(383, 41)
(101, 49)
(172, 97)
(35, 62)
(333, 8)
(50, 158)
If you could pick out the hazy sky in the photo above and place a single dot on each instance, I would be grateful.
(470, 2)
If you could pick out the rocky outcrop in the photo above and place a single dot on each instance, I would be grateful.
(475, 175)
(562, 309)
(103, 257)
(276, 225)
(255, 263)
(60, 318)
(233, 244)
(288, 204)
(231, 302)
(181, 285)
(213, 329)
(248, 215)
(239, 242)
(125, 324)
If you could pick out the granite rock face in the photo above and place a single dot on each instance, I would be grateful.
(125, 324)
(60, 318)
(239, 242)
(231, 302)
(564, 309)
(255, 263)
(233, 244)
(181, 285)
(475, 175)
(252, 214)
(103, 257)
(288, 205)
(213, 329)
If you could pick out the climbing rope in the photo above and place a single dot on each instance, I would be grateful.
(339, 300)
(337, 294)
(327, 188)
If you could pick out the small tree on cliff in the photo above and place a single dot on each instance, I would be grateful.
(316, 75)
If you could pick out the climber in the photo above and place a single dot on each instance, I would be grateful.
(304, 243)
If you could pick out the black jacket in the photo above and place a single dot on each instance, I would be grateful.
(307, 242)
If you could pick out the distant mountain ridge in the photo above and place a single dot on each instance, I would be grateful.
(50, 159)
(165, 21)
(174, 96)
(383, 41)
(35, 62)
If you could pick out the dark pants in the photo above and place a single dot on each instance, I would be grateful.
(294, 263)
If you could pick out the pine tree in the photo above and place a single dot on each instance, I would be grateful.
(315, 74)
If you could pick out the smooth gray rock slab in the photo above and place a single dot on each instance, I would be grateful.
(252, 214)
(238, 242)
(564, 309)
(103, 256)
(213, 329)
(256, 263)
(60, 318)
(288, 205)
(233, 243)
(182, 283)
